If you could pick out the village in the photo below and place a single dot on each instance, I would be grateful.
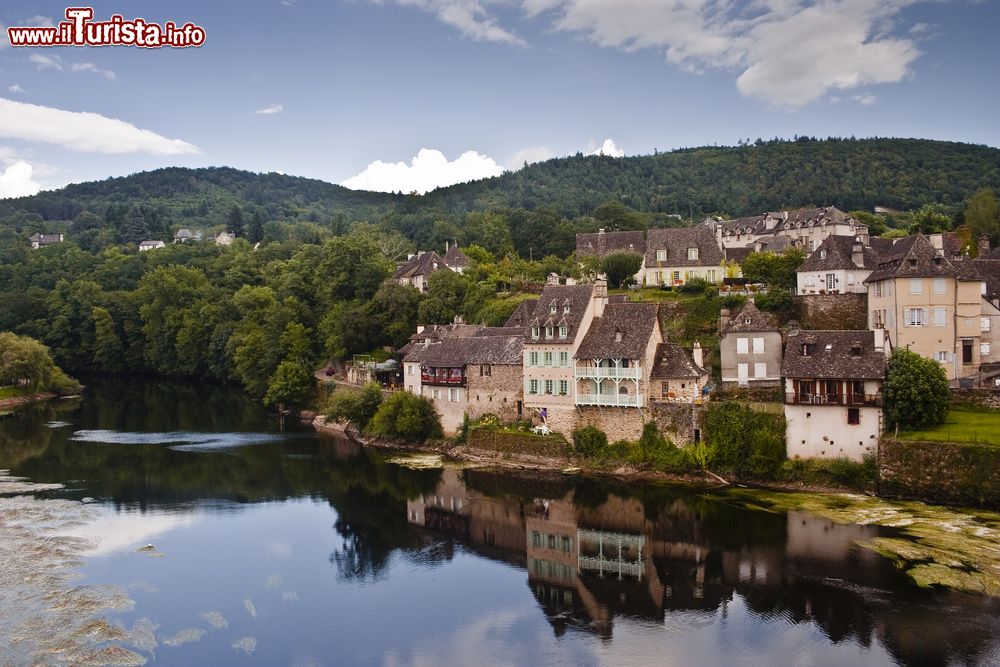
(578, 355)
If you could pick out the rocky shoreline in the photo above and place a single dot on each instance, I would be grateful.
(30, 398)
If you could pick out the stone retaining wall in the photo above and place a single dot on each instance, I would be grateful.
(940, 472)
(834, 311)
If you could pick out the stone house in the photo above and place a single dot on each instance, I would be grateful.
(151, 245)
(469, 375)
(750, 348)
(677, 376)
(602, 243)
(417, 269)
(455, 259)
(224, 238)
(931, 304)
(833, 393)
(40, 240)
(186, 236)
(803, 228)
(674, 256)
(838, 266)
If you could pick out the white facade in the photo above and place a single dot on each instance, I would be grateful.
(836, 281)
(846, 428)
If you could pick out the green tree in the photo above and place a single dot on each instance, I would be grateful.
(406, 416)
(109, 352)
(234, 221)
(982, 215)
(916, 391)
(290, 385)
(771, 268)
(589, 441)
(356, 407)
(621, 267)
(255, 231)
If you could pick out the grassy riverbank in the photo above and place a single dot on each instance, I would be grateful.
(962, 425)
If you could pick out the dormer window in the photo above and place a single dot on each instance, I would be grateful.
(661, 255)
(566, 308)
(856, 350)
(912, 262)
(548, 331)
(807, 349)
(563, 331)
(746, 320)
(822, 254)
(618, 335)
(552, 309)
(534, 332)
(692, 253)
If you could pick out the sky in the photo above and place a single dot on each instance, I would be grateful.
(404, 95)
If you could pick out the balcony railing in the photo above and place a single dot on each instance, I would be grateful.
(604, 372)
(854, 400)
(451, 377)
(611, 400)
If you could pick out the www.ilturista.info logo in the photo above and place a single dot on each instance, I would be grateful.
(80, 30)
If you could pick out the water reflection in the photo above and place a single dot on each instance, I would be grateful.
(457, 563)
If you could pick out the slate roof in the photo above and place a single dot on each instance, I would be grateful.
(784, 220)
(632, 323)
(455, 258)
(184, 234)
(677, 241)
(992, 254)
(438, 332)
(915, 257)
(45, 239)
(575, 296)
(673, 362)
(989, 271)
(421, 264)
(503, 350)
(737, 255)
(603, 243)
(750, 318)
(830, 356)
(837, 252)
(522, 314)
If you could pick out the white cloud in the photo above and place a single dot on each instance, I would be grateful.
(83, 131)
(46, 61)
(864, 99)
(16, 88)
(16, 181)
(274, 108)
(528, 155)
(91, 67)
(469, 17)
(608, 148)
(428, 170)
(38, 20)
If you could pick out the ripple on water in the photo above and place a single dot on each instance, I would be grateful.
(182, 441)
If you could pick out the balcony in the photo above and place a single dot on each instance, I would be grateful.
(447, 377)
(608, 372)
(850, 400)
(611, 400)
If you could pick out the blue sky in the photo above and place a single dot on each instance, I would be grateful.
(496, 82)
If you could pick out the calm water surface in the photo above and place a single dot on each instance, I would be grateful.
(293, 548)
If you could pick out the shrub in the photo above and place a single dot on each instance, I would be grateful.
(406, 416)
(696, 286)
(589, 441)
(742, 441)
(621, 267)
(916, 392)
(357, 407)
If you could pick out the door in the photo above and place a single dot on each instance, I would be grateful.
(966, 352)
(742, 374)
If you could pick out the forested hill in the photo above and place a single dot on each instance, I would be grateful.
(748, 179)
(740, 180)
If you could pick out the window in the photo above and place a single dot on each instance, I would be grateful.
(536, 539)
(760, 370)
(563, 387)
(677, 276)
(552, 541)
(939, 317)
(850, 278)
(822, 254)
(941, 356)
(661, 255)
(831, 281)
(409, 369)
(916, 286)
(436, 393)
(984, 349)
(966, 352)
(940, 286)
(853, 416)
(532, 386)
(548, 331)
(758, 346)
(566, 307)
(534, 332)
(878, 289)
(564, 358)
(532, 358)
(711, 275)
(742, 345)
(984, 324)
(548, 358)
(453, 394)
(548, 386)
(486, 371)
(664, 389)
(914, 317)
(692, 254)
(567, 544)
(563, 331)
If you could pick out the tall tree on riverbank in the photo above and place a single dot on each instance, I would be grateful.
(916, 392)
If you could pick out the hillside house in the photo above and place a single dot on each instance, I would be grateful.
(185, 235)
(750, 348)
(224, 238)
(456, 260)
(674, 256)
(677, 376)
(802, 228)
(833, 393)
(41, 240)
(417, 269)
(151, 245)
(838, 266)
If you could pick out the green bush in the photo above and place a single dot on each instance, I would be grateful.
(621, 267)
(589, 441)
(743, 442)
(356, 407)
(916, 392)
(697, 286)
(406, 416)
(831, 472)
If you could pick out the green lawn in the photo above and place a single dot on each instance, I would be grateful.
(11, 392)
(963, 426)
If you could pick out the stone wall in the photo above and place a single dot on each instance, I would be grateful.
(681, 422)
(507, 442)
(499, 392)
(987, 398)
(834, 311)
(617, 423)
(953, 473)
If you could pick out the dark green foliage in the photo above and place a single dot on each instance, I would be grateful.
(234, 222)
(982, 215)
(771, 268)
(589, 441)
(832, 472)
(356, 407)
(780, 303)
(743, 442)
(406, 416)
(698, 285)
(621, 268)
(26, 364)
(916, 392)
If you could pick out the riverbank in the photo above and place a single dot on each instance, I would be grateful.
(536, 463)
(15, 401)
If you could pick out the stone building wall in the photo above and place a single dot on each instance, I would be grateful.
(834, 311)
(499, 392)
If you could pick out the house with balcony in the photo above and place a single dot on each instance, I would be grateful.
(613, 362)
(931, 303)
(750, 348)
(839, 265)
(833, 393)
(674, 256)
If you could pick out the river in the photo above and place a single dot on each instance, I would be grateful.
(234, 542)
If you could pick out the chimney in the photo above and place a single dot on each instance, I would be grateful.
(723, 320)
(420, 328)
(552, 279)
(600, 296)
(601, 230)
(983, 244)
(858, 253)
(446, 247)
(699, 358)
(937, 242)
